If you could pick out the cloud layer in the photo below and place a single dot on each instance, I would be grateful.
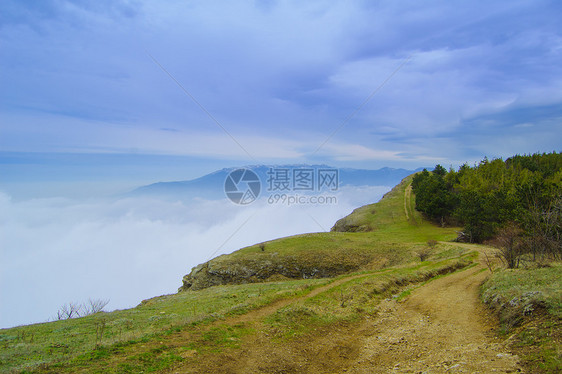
(280, 77)
(56, 250)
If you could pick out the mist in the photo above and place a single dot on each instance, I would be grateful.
(60, 250)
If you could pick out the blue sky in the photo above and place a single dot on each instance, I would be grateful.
(452, 82)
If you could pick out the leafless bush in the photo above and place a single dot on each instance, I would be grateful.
(75, 310)
(100, 327)
(70, 310)
(488, 262)
(431, 243)
(95, 306)
(510, 248)
(544, 227)
(344, 298)
(424, 253)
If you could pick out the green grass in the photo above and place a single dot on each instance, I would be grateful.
(386, 220)
(542, 286)
(521, 297)
(33, 345)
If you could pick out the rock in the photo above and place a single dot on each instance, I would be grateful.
(268, 267)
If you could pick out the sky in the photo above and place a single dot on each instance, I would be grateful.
(100, 97)
(347, 83)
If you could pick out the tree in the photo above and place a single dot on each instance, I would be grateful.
(478, 213)
(509, 244)
(419, 178)
(524, 189)
(439, 171)
(433, 194)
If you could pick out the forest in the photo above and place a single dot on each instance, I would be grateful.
(517, 202)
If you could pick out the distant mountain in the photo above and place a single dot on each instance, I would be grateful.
(211, 186)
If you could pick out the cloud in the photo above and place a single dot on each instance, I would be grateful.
(58, 250)
(103, 137)
(285, 70)
(347, 152)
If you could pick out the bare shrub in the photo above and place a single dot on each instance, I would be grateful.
(544, 226)
(424, 253)
(100, 328)
(94, 306)
(488, 262)
(75, 310)
(344, 298)
(70, 310)
(509, 244)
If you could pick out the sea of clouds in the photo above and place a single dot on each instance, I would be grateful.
(58, 250)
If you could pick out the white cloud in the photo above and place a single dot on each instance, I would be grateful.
(94, 136)
(55, 251)
(281, 70)
(351, 152)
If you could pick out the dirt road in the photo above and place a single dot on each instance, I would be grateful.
(440, 328)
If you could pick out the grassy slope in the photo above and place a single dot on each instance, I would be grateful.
(539, 286)
(386, 221)
(391, 239)
(528, 302)
(117, 337)
(33, 345)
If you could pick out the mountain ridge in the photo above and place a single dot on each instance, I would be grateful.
(211, 186)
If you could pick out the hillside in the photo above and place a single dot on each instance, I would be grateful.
(389, 304)
(391, 234)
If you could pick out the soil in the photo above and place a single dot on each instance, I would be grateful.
(407, 200)
(442, 327)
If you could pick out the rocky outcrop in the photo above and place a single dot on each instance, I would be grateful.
(269, 267)
(356, 221)
(348, 224)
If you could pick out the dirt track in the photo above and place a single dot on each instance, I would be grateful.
(440, 328)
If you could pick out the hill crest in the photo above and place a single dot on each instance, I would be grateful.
(347, 248)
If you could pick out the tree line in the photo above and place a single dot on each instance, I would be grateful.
(520, 197)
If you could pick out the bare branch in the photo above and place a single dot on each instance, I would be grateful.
(75, 310)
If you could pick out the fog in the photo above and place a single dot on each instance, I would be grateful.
(59, 250)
